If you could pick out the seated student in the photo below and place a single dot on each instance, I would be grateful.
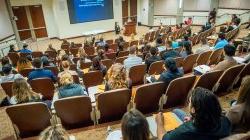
(12, 48)
(101, 54)
(50, 48)
(46, 61)
(160, 44)
(206, 121)
(229, 61)
(117, 28)
(83, 58)
(97, 65)
(8, 75)
(54, 132)
(203, 28)
(101, 43)
(189, 21)
(5, 60)
(208, 25)
(68, 88)
(116, 77)
(132, 59)
(66, 65)
(175, 44)
(23, 63)
(239, 114)
(188, 33)
(22, 93)
(153, 57)
(170, 53)
(176, 28)
(135, 126)
(39, 72)
(145, 50)
(72, 45)
(185, 41)
(25, 49)
(221, 43)
(65, 42)
(204, 47)
(107, 49)
(171, 72)
(187, 50)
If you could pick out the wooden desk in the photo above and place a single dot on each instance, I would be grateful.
(130, 28)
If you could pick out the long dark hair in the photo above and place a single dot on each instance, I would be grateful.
(188, 48)
(207, 109)
(135, 126)
(170, 64)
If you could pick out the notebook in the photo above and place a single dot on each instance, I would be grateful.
(239, 60)
(202, 69)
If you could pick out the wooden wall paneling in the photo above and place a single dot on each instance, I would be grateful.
(133, 10)
(124, 10)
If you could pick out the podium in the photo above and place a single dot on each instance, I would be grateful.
(130, 28)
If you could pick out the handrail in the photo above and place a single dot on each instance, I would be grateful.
(232, 14)
(7, 41)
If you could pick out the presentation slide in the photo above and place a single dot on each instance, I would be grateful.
(90, 10)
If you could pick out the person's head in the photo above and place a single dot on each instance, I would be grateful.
(12, 47)
(188, 48)
(65, 57)
(45, 60)
(23, 60)
(116, 23)
(170, 64)
(5, 60)
(55, 132)
(203, 41)
(96, 62)
(203, 27)
(244, 97)
(22, 91)
(190, 18)
(132, 50)
(188, 31)
(72, 44)
(159, 41)
(25, 46)
(221, 36)
(116, 76)
(186, 37)
(180, 25)
(7, 69)
(37, 63)
(101, 39)
(50, 46)
(121, 38)
(65, 41)
(153, 51)
(106, 47)
(66, 79)
(214, 9)
(101, 54)
(135, 126)
(204, 107)
(65, 65)
(229, 50)
(234, 16)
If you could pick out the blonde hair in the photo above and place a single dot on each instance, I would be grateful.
(66, 79)
(56, 132)
(116, 77)
(243, 91)
(23, 92)
(82, 53)
(65, 64)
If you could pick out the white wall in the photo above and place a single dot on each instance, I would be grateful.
(244, 4)
(57, 18)
(165, 7)
(5, 23)
(196, 5)
(143, 11)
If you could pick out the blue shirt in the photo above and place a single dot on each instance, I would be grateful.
(41, 73)
(25, 51)
(175, 45)
(220, 44)
(71, 90)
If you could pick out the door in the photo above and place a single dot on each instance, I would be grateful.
(133, 10)
(124, 11)
(37, 17)
(22, 22)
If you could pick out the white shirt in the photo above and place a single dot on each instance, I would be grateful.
(131, 61)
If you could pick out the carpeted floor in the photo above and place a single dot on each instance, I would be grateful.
(6, 128)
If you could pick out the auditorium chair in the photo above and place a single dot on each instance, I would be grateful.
(25, 72)
(189, 62)
(110, 41)
(65, 47)
(37, 54)
(199, 38)
(53, 69)
(29, 119)
(208, 80)
(227, 80)
(7, 87)
(74, 112)
(178, 90)
(194, 39)
(111, 56)
(152, 36)
(203, 58)
(147, 97)
(51, 54)
(89, 50)
(215, 57)
(111, 105)
(125, 45)
(92, 78)
(85, 65)
(146, 37)
(157, 33)
(107, 62)
(92, 56)
(245, 72)
(13, 57)
(120, 59)
(179, 61)
(156, 68)
(24, 54)
(74, 51)
(135, 42)
(44, 86)
(73, 67)
(113, 46)
(123, 53)
(137, 74)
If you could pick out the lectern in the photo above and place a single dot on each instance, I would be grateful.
(130, 28)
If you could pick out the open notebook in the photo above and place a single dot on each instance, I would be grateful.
(172, 122)
(202, 69)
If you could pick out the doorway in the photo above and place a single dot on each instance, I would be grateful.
(30, 22)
